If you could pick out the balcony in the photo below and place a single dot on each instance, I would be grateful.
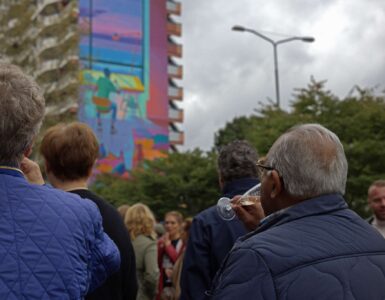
(174, 28)
(48, 43)
(174, 49)
(173, 7)
(174, 70)
(175, 115)
(41, 4)
(176, 137)
(55, 64)
(175, 93)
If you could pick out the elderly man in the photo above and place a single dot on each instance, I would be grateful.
(52, 244)
(210, 237)
(310, 245)
(376, 201)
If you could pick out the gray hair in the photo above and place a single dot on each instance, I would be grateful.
(237, 160)
(21, 113)
(311, 161)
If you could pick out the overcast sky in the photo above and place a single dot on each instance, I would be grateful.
(227, 73)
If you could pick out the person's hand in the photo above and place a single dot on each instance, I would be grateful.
(31, 171)
(168, 272)
(166, 239)
(250, 215)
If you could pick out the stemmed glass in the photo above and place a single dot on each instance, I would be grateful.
(250, 197)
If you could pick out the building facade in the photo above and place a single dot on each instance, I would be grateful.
(41, 37)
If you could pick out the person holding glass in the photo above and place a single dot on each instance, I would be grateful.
(310, 245)
(170, 247)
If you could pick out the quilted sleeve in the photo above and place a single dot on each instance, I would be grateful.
(244, 275)
(104, 257)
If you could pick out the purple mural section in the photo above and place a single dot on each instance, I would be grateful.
(123, 94)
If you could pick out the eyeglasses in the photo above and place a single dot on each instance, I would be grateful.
(262, 167)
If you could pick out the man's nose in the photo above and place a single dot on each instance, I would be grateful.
(383, 201)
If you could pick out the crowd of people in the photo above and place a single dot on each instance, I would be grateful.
(298, 241)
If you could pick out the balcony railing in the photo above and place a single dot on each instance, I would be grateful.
(51, 42)
(175, 71)
(174, 7)
(174, 49)
(41, 4)
(174, 28)
(175, 93)
(55, 64)
(175, 115)
(176, 137)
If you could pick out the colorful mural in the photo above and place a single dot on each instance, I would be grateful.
(118, 79)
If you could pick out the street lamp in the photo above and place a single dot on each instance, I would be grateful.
(306, 39)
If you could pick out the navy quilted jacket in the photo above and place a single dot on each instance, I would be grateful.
(317, 249)
(52, 244)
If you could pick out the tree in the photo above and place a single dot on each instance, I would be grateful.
(358, 120)
(187, 182)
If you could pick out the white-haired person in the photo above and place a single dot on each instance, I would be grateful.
(52, 244)
(310, 245)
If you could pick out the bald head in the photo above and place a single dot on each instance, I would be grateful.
(311, 161)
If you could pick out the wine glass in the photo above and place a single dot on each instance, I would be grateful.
(251, 196)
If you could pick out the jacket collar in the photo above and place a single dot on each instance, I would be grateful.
(11, 171)
(315, 206)
(238, 186)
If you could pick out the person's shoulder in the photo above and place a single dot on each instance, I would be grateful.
(144, 241)
(106, 209)
(209, 215)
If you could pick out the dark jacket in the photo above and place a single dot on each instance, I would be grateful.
(210, 239)
(317, 249)
(123, 284)
(52, 244)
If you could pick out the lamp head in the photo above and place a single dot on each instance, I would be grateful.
(308, 39)
(238, 28)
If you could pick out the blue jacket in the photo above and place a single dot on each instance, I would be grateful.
(52, 244)
(317, 249)
(210, 239)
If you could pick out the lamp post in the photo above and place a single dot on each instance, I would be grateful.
(306, 39)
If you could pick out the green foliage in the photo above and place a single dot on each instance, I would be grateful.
(186, 182)
(358, 120)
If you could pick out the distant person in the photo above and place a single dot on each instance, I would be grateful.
(211, 238)
(70, 151)
(52, 244)
(310, 245)
(159, 230)
(376, 201)
(140, 222)
(170, 247)
(122, 209)
(177, 271)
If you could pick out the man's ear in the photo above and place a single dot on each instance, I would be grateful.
(46, 167)
(220, 181)
(277, 184)
(28, 151)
